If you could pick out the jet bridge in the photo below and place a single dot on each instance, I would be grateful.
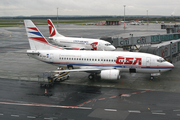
(169, 50)
(165, 45)
(171, 28)
(118, 41)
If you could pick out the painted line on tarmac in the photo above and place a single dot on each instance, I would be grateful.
(15, 115)
(159, 113)
(92, 100)
(176, 110)
(48, 118)
(134, 111)
(111, 110)
(44, 105)
(31, 117)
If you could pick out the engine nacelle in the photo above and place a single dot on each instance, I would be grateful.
(110, 74)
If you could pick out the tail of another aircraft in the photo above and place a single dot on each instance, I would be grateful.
(52, 30)
(36, 40)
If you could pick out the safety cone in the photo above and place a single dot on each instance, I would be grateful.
(121, 82)
(45, 93)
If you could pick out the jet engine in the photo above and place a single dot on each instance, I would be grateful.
(110, 74)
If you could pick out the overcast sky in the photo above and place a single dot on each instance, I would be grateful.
(89, 7)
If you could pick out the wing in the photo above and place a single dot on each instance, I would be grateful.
(79, 70)
(89, 69)
(72, 48)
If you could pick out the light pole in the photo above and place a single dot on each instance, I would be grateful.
(147, 17)
(57, 17)
(124, 16)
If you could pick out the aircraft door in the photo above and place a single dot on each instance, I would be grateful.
(148, 62)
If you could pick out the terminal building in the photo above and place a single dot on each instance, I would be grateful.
(108, 23)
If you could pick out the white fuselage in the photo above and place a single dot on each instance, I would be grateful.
(123, 61)
(83, 43)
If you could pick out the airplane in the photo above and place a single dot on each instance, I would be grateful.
(107, 64)
(77, 43)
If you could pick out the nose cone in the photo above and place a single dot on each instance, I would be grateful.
(111, 48)
(169, 65)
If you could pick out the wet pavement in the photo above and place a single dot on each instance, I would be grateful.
(134, 96)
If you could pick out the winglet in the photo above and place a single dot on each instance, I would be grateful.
(52, 30)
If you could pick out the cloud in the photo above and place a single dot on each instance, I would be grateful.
(87, 7)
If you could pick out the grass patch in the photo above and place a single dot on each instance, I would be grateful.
(16, 22)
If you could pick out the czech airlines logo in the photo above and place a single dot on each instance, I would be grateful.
(128, 60)
(51, 29)
(94, 45)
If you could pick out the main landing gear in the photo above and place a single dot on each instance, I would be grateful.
(93, 76)
(151, 77)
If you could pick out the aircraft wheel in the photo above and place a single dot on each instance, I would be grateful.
(91, 77)
(151, 77)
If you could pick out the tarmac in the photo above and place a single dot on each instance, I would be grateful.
(134, 96)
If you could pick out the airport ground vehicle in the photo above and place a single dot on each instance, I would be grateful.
(48, 79)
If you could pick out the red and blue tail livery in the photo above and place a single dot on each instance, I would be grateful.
(36, 39)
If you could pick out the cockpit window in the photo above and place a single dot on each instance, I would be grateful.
(107, 44)
(160, 60)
